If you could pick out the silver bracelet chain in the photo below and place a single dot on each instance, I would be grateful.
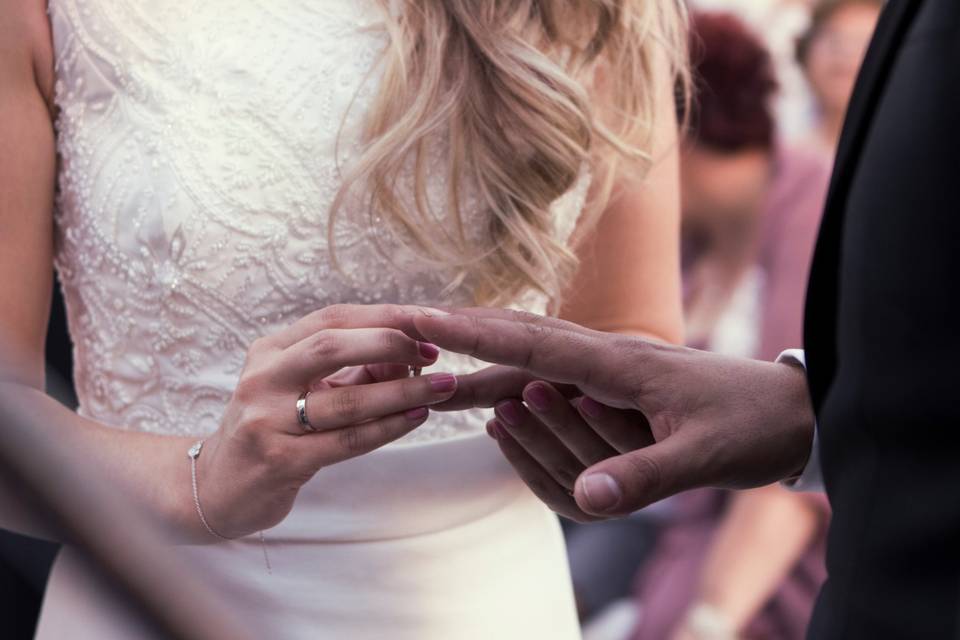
(193, 453)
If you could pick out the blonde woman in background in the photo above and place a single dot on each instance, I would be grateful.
(830, 52)
(229, 170)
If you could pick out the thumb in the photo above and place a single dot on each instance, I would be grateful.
(623, 484)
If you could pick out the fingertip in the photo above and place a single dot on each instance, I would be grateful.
(589, 407)
(598, 493)
(510, 411)
(428, 351)
(417, 415)
(496, 431)
(443, 383)
(537, 396)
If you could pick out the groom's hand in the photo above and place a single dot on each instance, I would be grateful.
(551, 441)
(708, 420)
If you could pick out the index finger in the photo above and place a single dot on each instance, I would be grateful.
(352, 316)
(519, 316)
(487, 387)
(545, 349)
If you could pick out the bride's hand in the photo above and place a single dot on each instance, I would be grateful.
(250, 470)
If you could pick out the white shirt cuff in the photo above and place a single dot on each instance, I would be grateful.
(811, 479)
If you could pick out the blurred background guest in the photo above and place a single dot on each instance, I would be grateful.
(754, 178)
(749, 564)
(830, 53)
(779, 23)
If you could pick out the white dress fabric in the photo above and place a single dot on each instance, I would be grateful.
(201, 146)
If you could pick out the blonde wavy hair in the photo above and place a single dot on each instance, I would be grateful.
(525, 94)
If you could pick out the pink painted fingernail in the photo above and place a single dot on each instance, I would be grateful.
(443, 382)
(602, 492)
(417, 414)
(591, 407)
(496, 430)
(537, 397)
(509, 412)
(429, 351)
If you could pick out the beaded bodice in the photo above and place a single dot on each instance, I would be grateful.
(201, 146)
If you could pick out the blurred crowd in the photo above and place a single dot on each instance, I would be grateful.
(773, 81)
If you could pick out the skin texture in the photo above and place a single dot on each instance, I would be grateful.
(677, 418)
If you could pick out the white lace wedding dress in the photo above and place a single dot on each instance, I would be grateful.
(201, 146)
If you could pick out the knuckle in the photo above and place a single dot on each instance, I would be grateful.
(352, 440)
(390, 429)
(333, 315)
(259, 346)
(274, 454)
(538, 330)
(477, 331)
(244, 392)
(254, 421)
(630, 351)
(251, 435)
(323, 346)
(347, 404)
(395, 341)
(645, 472)
(626, 344)
(668, 421)
(535, 325)
(250, 386)
(391, 315)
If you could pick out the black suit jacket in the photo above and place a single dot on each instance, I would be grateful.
(881, 334)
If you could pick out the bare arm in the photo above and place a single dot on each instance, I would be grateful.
(27, 174)
(27, 168)
(629, 276)
(761, 539)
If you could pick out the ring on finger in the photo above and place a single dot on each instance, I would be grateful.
(302, 413)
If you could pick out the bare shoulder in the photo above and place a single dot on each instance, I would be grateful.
(26, 45)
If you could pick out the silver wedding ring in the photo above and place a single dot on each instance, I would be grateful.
(302, 413)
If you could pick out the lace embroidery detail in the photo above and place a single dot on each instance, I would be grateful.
(199, 156)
